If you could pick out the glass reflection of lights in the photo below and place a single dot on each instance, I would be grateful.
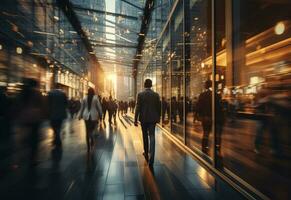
(18, 50)
(279, 28)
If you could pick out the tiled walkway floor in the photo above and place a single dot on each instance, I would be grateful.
(115, 170)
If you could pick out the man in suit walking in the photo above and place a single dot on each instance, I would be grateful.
(148, 112)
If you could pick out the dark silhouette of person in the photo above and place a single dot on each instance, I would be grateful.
(125, 107)
(180, 106)
(148, 112)
(174, 109)
(110, 108)
(104, 107)
(57, 104)
(4, 113)
(271, 107)
(91, 112)
(115, 110)
(204, 113)
(164, 108)
(31, 113)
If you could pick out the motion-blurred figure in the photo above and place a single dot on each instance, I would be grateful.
(115, 110)
(91, 112)
(104, 107)
(148, 111)
(194, 109)
(58, 103)
(180, 106)
(110, 108)
(164, 109)
(272, 108)
(31, 113)
(174, 109)
(4, 113)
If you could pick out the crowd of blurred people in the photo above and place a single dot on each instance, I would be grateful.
(30, 108)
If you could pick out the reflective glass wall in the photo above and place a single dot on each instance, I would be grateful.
(38, 41)
(233, 110)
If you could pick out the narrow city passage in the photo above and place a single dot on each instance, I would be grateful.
(115, 169)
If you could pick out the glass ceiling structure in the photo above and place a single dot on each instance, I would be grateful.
(112, 28)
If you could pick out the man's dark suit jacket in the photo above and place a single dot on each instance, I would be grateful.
(148, 107)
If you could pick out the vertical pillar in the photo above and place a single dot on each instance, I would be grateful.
(213, 40)
(229, 43)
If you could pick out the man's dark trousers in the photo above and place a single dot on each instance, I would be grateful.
(148, 130)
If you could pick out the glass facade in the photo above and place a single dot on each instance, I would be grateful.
(233, 110)
(38, 41)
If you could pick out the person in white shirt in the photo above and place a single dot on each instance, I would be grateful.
(91, 112)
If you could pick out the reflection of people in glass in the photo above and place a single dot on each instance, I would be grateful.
(203, 108)
(164, 108)
(174, 108)
(204, 113)
(180, 109)
(267, 115)
(194, 109)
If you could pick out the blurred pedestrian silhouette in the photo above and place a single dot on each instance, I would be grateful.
(4, 113)
(104, 107)
(174, 109)
(31, 113)
(110, 108)
(115, 110)
(91, 112)
(271, 108)
(204, 114)
(148, 112)
(57, 103)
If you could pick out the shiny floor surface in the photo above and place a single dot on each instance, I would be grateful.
(115, 169)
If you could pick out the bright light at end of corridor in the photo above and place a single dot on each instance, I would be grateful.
(112, 77)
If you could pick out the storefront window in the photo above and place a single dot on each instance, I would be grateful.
(177, 75)
(253, 80)
(166, 81)
(198, 67)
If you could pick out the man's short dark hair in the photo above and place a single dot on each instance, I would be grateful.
(148, 83)
(208, 84)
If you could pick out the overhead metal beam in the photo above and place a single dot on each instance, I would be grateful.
(149, 7)
(133, 5)
(69, 12)
(114, 45)
(105, 12)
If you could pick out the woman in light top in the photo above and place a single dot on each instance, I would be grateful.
(91, 112)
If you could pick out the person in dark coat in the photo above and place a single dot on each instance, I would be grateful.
(104, 107)
(4, 113)
(148, 112)
(115, 110)
(204, 112)
(110, 108)
(58, 103)
(31, 113)
(174, 109)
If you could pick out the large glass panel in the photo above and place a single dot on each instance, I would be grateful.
(166, 81)
(253, 79)
(177, 76)
(198, 68)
